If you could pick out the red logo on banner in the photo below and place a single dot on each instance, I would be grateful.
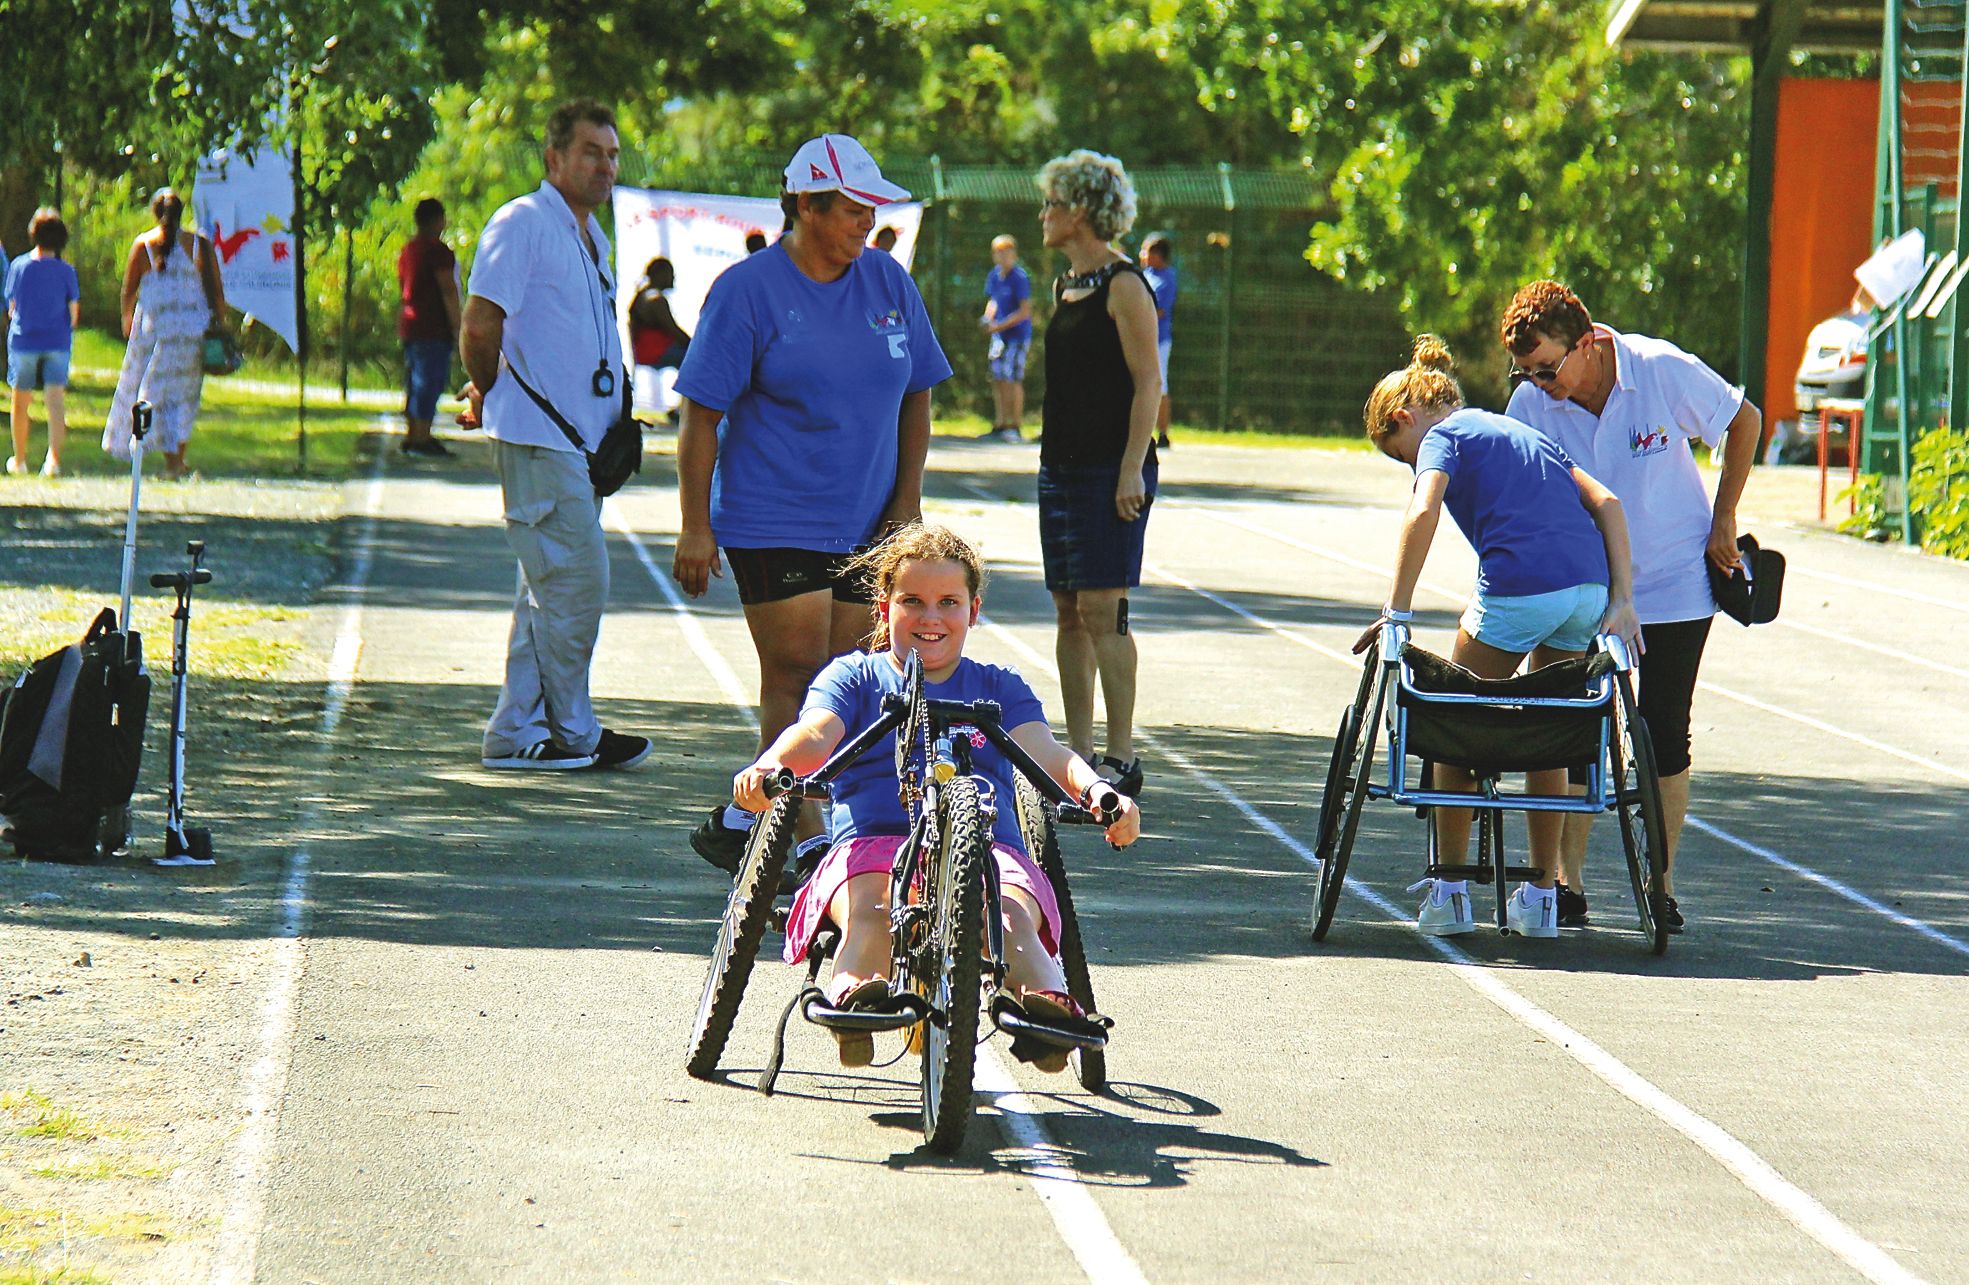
(230, 245)
(280, 252)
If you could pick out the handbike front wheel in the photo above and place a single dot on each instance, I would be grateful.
(748, 911)
(1637, 799)
(1041, 831)
(950, 1034)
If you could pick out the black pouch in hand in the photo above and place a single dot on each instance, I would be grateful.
(1752, 598)
(620, 455)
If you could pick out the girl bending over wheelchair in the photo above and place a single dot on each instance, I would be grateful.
(928, 586)
(1547, 581)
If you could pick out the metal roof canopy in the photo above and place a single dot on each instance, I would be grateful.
(1734, 26)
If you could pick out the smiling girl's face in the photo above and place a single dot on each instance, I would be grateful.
(930, 610)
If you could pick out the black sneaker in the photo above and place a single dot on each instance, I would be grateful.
(718, 843)
(617, 750)
(805, 861)
(1572, 908)
(1127, 778)
(430, 448)
(1674, 916)
(541, 756)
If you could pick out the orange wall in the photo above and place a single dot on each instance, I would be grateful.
(1822, 220)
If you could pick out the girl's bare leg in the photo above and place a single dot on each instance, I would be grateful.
(1028, 964)
(860, 909)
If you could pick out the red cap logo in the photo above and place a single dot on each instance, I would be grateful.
(818, 172)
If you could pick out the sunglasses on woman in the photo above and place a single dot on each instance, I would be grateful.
(1540, 374)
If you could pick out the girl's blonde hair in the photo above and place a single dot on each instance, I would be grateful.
(1425, 382)
(916, 542)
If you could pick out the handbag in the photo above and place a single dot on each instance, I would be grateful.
(1750, 592)
(620, 454)
(219, 353)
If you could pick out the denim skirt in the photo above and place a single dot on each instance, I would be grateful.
(1082, 540)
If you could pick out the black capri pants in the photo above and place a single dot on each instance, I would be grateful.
(1668, 689)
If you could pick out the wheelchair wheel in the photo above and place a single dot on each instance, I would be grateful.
(1041, 831)
(747, 912)
(1346, 788)
(950, 1036)
(1637, 798)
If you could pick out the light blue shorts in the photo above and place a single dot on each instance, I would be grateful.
(1565, 619)
(29, 369)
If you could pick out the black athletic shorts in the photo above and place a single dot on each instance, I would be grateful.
(773, 575)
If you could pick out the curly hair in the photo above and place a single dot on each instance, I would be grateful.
(917, 542)
(1095, 184)
(1425, 381)
(1543, 307)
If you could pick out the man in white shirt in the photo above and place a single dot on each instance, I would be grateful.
(540, 317)
(1626, 408)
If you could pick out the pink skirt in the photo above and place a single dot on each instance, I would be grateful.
(876, 854)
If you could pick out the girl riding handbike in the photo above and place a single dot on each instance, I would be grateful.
(930, 898)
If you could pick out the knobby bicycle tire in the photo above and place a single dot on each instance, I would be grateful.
(748, 911)
(951, 1049)
(1042, 836)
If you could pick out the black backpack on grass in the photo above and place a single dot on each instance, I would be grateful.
(71, 740)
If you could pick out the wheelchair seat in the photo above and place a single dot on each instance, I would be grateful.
(1552, 717)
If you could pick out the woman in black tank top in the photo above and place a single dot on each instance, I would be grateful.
(1097, 464)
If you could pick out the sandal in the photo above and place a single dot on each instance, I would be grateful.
(1052, 1007)
(858, 1047)
(1127, 778)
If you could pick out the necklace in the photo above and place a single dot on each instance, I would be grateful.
(1090, 280)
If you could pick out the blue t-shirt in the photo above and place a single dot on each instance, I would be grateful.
(1162, 284)
(40, 291)
(811, 378)
(865, 799)
(1008, 290)
(1512, 494)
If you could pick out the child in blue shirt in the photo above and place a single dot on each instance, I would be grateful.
(44, 303)
(1161, 276)
(927, 584)
(1554, 569)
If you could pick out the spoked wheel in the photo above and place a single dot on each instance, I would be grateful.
(1041, 831)
(747, 912)
(950, 1045)
(1346, 788)
(1637, 798)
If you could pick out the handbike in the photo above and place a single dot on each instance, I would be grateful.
(946, 929)
(1574, 713)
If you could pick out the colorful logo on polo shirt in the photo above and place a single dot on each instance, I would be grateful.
(1642, 440)
(891, 326)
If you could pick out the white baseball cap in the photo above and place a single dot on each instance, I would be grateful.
(837, 163)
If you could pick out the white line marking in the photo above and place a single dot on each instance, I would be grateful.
(265, 1081)
(1832, 885)
(1777, 711)
(1807, 1214)
(1074, 1212)
(1908, 595)
(1876, 648)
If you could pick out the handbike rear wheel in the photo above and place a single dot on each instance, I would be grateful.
(950, 1045)
(748, 911)
(1346, 788)
(1041, 831)
(1637, 798)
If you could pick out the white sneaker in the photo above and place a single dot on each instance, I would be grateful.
(1446, 910)
(16, 466)
(49, 468)
(1532, 911)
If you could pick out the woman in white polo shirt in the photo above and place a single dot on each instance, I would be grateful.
(1627, 407)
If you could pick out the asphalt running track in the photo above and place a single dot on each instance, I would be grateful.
(471, 1044)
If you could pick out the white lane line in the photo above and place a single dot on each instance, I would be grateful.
(1863, 645)
(1907, 595)
(1832, 885)
(1752, 1170)
(265, 1081)
(1075, 1213)
(1776, 711)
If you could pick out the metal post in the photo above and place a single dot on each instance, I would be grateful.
(1230, 297)
(943, 241)
(1958, 379)
(348, 296)
(300, 316)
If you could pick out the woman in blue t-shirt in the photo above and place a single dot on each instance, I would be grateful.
(927, 587)
(1554, 569)
(805, 426)
(43, 306)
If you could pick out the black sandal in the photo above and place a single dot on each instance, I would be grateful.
(1127, 778)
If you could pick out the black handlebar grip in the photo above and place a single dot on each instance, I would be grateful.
(779, 782)
(164, 580)
(201, 576)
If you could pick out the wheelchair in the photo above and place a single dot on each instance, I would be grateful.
(946, 931)
(1571, 714)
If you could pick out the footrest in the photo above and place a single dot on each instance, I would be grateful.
(1090, 1032)
(892, 1014)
